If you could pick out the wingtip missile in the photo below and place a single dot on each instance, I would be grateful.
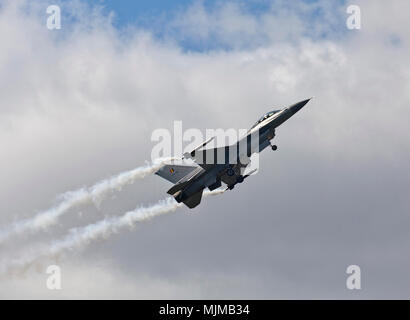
(190, 155)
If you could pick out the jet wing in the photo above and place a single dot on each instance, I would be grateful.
(208, 158)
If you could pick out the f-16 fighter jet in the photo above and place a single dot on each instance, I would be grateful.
(225, 164)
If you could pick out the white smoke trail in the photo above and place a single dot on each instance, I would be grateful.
(82, 236)
(94, 194)
(78, 237)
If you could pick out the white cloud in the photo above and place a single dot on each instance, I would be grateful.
(80, 104)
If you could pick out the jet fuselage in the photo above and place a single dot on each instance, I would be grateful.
(235, 157)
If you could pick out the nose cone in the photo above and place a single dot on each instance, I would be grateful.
(297, 106)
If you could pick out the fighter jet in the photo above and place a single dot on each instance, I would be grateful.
(211, 167)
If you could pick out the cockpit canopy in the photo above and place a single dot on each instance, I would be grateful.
(264, 117)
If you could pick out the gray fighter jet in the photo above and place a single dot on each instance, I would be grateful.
(226, 164)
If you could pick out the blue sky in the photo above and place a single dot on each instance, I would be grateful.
(130, 11)
(159, 17)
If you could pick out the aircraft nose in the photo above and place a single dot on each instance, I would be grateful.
(297, 106)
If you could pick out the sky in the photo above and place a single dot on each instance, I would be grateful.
(79, 105)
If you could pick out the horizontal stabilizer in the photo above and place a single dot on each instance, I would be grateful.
(193, 201)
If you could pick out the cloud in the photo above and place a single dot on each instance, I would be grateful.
(87, 279)
(80, 105)
(235, 25)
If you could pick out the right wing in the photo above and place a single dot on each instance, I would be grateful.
(209, 158)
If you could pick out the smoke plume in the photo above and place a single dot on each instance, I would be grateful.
(92, 195)
(80, 237)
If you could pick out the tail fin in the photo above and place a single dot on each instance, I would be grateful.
(174, 173)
